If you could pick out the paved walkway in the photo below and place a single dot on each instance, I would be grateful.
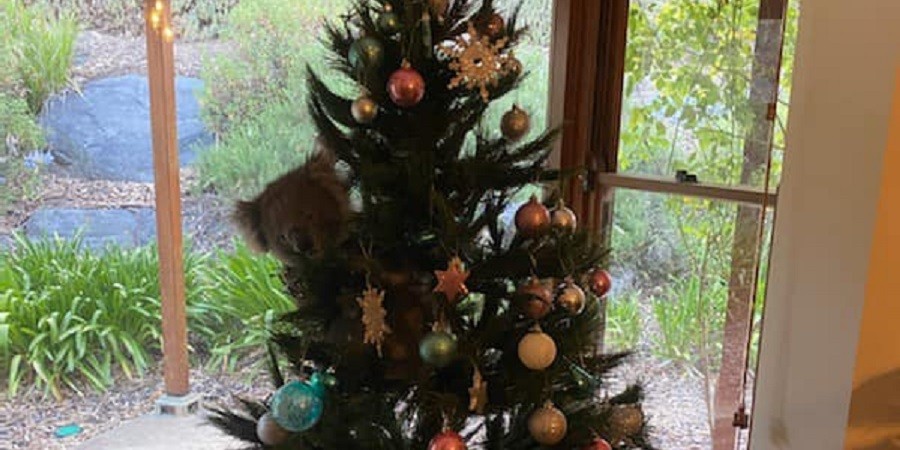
(155, 432)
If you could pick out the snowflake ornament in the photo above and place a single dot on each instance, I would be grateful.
(478, 63)
(373, 317)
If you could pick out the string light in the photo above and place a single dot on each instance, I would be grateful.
(159, 21)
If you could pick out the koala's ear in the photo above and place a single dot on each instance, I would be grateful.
(248, 218)
(322, 156)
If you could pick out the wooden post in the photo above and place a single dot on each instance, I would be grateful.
(161, 72)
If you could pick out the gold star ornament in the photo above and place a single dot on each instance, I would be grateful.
(478, 395)
(452, 282)
(373, 317)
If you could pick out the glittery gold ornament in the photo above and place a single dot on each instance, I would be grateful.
(563, 218)
(364, 109)
(571, 298)
(515, 123)
(373, 317)
(537, 351)
(478, 62)
(269, 432)
(452, 282)
(627, 419)
(478, 396)
(532, 218)
(548, 425)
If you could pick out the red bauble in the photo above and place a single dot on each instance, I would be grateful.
(600, 282)
(598, 444)
(532, 218)
(447, 440)
(406, 86)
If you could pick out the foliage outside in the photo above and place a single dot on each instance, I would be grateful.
(72, 318)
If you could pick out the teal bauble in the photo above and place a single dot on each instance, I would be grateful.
(389, 23)
(366, 53)
(298, 405)
(438, 348)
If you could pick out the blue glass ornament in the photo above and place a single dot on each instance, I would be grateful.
(298, 405)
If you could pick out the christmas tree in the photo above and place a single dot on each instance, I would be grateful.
(423, 319)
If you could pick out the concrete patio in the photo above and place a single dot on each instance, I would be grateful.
(164, 432)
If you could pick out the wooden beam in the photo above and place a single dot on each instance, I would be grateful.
(161, 72)
(748, 195)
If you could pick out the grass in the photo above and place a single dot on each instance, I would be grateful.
(623, 322)
(72, 319)
(690, 315)
(40, 46)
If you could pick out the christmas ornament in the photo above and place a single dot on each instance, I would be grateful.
(563, 218)
(547, 425)
(515, 123)
(537, 351)
(532, 218)
(598, 444)
(269, 432)
(494, 25)
(478, 396)
(406, 87)
(438, 348)
(297, 406)
(537, 298)
(478, 63)
(373, 316)
(447, 440)
(627, 419)
(452, 282)
(389, 21)
(366, 53)
(571, 298)
(600, 282)
(364, 109)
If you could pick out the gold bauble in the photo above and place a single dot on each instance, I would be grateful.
(269, 432)
(563, 218)
(515, 123)
(548, 425)
(364, 109)
(532, 218)
(537, 350)
(627, 420)
(571, 298)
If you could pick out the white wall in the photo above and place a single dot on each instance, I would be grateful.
(843, 85)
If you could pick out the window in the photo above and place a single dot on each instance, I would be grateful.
(683, 126)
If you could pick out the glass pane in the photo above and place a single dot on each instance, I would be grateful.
(673, 266)
(699, 78)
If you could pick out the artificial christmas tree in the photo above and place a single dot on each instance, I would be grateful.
(423, 319)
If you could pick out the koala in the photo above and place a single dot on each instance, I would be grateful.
(303, 212)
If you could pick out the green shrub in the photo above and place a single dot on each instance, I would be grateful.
(623, 321)
(690, 315)
(41, 48)
(256, 152)
(244, 295)
(69, 315)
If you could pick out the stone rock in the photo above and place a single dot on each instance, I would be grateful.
(97, 228)
(104, 131)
